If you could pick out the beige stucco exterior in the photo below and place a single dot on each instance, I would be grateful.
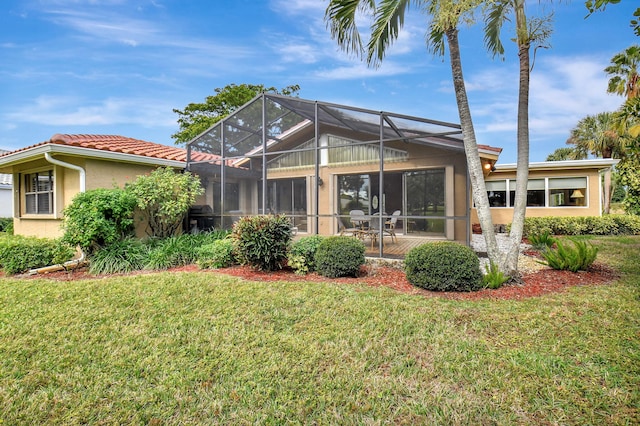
(107, 172)
(592, 170)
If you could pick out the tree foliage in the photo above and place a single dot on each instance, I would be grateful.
(164, 197)
(195, 118)
(597, 5)
(98, 217)
(565, 153)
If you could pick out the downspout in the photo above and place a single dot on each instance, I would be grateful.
(83, 174)
(75, 263)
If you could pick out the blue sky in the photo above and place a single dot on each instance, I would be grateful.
(122, 66)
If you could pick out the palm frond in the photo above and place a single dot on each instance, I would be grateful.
(389, 20)
(340, 16)
(495, 18)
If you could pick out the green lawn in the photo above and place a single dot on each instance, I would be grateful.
(204, 348)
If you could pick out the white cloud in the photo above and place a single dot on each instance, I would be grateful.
(73, 111)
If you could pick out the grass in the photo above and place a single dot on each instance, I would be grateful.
(203, 348)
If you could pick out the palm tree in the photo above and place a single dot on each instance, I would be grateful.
(565, 153)
(596, 135)
(388, 19)
(624, 69)
(529, 33)
(446, 16)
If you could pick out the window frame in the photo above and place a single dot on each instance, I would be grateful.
(547, 192)
(24, 193)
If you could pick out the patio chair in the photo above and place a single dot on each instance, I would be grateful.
(390, 225)
(344, 230)
(358, 219)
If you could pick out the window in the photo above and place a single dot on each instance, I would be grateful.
(563, 192)
(535, 192)
(497, 192)
(39, 192)
(567, 192)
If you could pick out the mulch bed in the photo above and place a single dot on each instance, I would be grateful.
(531, 285)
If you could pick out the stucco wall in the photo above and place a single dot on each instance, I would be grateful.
(504, 215)
(99, 174)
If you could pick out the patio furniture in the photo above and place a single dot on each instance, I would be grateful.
(343, 230)
(390, 225)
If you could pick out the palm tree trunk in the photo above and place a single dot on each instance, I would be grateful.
(474, 165)
(522, 174)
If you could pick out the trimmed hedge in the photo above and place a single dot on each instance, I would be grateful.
(218, 254)
(19, 254)
(612, 224)
(339, 256)
(443, 266)
(302, 254)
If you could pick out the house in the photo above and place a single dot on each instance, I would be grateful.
(330, 168)
(6, 193)
(49, 174)
(318, 162)
(555, 188)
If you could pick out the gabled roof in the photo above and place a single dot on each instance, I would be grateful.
(113, 147)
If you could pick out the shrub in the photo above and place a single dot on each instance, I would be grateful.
(19, 254)
(443, 266)
(613, 224)
(339, 256)
(565, 257)
(262, 241)
(179, 250)
(97, 218)
(127, 255)
(6, 225)
(542, 241)
(302, 254)
(164, 197)
(218, 254)
(493, 278)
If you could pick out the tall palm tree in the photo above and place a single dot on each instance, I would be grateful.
(596, 135)
(529, 33)
(446, 16)
(388, 20)
(625, 80)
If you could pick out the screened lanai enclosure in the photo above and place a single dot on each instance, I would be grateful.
(391, 180)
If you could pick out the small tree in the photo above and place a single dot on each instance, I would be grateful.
(164, 197)
(98, 217)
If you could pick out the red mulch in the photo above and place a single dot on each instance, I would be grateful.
(532, 285)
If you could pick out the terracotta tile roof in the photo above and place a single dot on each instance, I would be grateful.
(121, 144)
(490, 148)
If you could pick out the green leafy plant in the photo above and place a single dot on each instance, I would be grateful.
(302, 254)
(218, 254)
(612, 224)
(127, 255)
(6, 225)
(443, 266)
(339, 256)
(19, 254)
(578, 256)
(163, 198)
(262, 241)
(97, 218)
(542, 241)
(493, 277)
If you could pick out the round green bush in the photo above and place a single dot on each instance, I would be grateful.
(218, 254)
(303, 252)
(443, 266)
(339, 256)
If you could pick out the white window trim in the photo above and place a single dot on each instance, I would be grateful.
(546, 193)
(22, 195)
